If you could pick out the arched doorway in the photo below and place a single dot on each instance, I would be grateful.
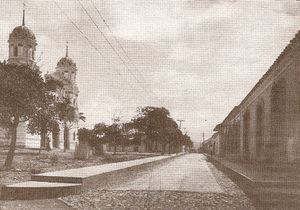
(259, 131)
(278, 120)
(246, 133)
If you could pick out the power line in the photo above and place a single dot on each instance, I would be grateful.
(118, 42)
(113, 48)
(90, 17)
(108, 27)
(74, 24)
(110, 44)
(89, 41)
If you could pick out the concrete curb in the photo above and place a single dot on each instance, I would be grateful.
(262, 192)
(102, 180)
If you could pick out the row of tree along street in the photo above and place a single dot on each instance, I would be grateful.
(152, 126)
(25, 96)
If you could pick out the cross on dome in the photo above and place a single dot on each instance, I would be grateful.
(67, 49)
(23, 23)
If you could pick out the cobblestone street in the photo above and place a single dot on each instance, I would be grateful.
(187, 182)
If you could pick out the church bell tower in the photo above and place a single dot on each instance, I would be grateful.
(22, 45)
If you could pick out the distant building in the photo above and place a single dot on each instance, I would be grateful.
(137, 146)
(144, 145)
(212, 145)
(266, 124)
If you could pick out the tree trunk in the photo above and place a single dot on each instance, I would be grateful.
(151, 146)
(163, 148)
(66, 137)
(123, 146)
(43, 140)
(98, 149)
(147, 146)
(115, 149)
(156, 146)
(12, 147)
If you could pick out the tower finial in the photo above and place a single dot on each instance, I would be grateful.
(67, 49)
(23, 24)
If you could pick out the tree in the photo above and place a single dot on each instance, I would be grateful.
(130, 134)
(22, 90)
(172, 136)
(100, 138)
(68, 114)
(114, 133)
(187, 141)
(159, 127)
(86, 137)
(45, 120)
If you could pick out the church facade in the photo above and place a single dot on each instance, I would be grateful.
(22, 47)
(65, 72)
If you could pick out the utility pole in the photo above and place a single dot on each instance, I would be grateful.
(203, 136)
(180, 121)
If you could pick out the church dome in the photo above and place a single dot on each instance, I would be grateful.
(66, 61)
(22, 32)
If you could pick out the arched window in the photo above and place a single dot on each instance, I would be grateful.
(30, 53)
(66, 74)
(11, 50)
(15, 51)
(20, 50)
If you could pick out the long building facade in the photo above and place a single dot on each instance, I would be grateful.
(265, 126)
(22, 47)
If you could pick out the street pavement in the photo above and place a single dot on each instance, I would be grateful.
(184, 182)
(185, 173)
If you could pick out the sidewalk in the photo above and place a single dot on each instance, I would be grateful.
(277, 185)
(263, 172)
(73, 181)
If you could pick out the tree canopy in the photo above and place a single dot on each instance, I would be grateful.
(23, 94)
(157, 125)
(46, 119)
(151, 124)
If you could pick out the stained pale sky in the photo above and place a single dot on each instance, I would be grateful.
(197, 58)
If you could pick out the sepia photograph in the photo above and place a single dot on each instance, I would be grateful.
(150, 104)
